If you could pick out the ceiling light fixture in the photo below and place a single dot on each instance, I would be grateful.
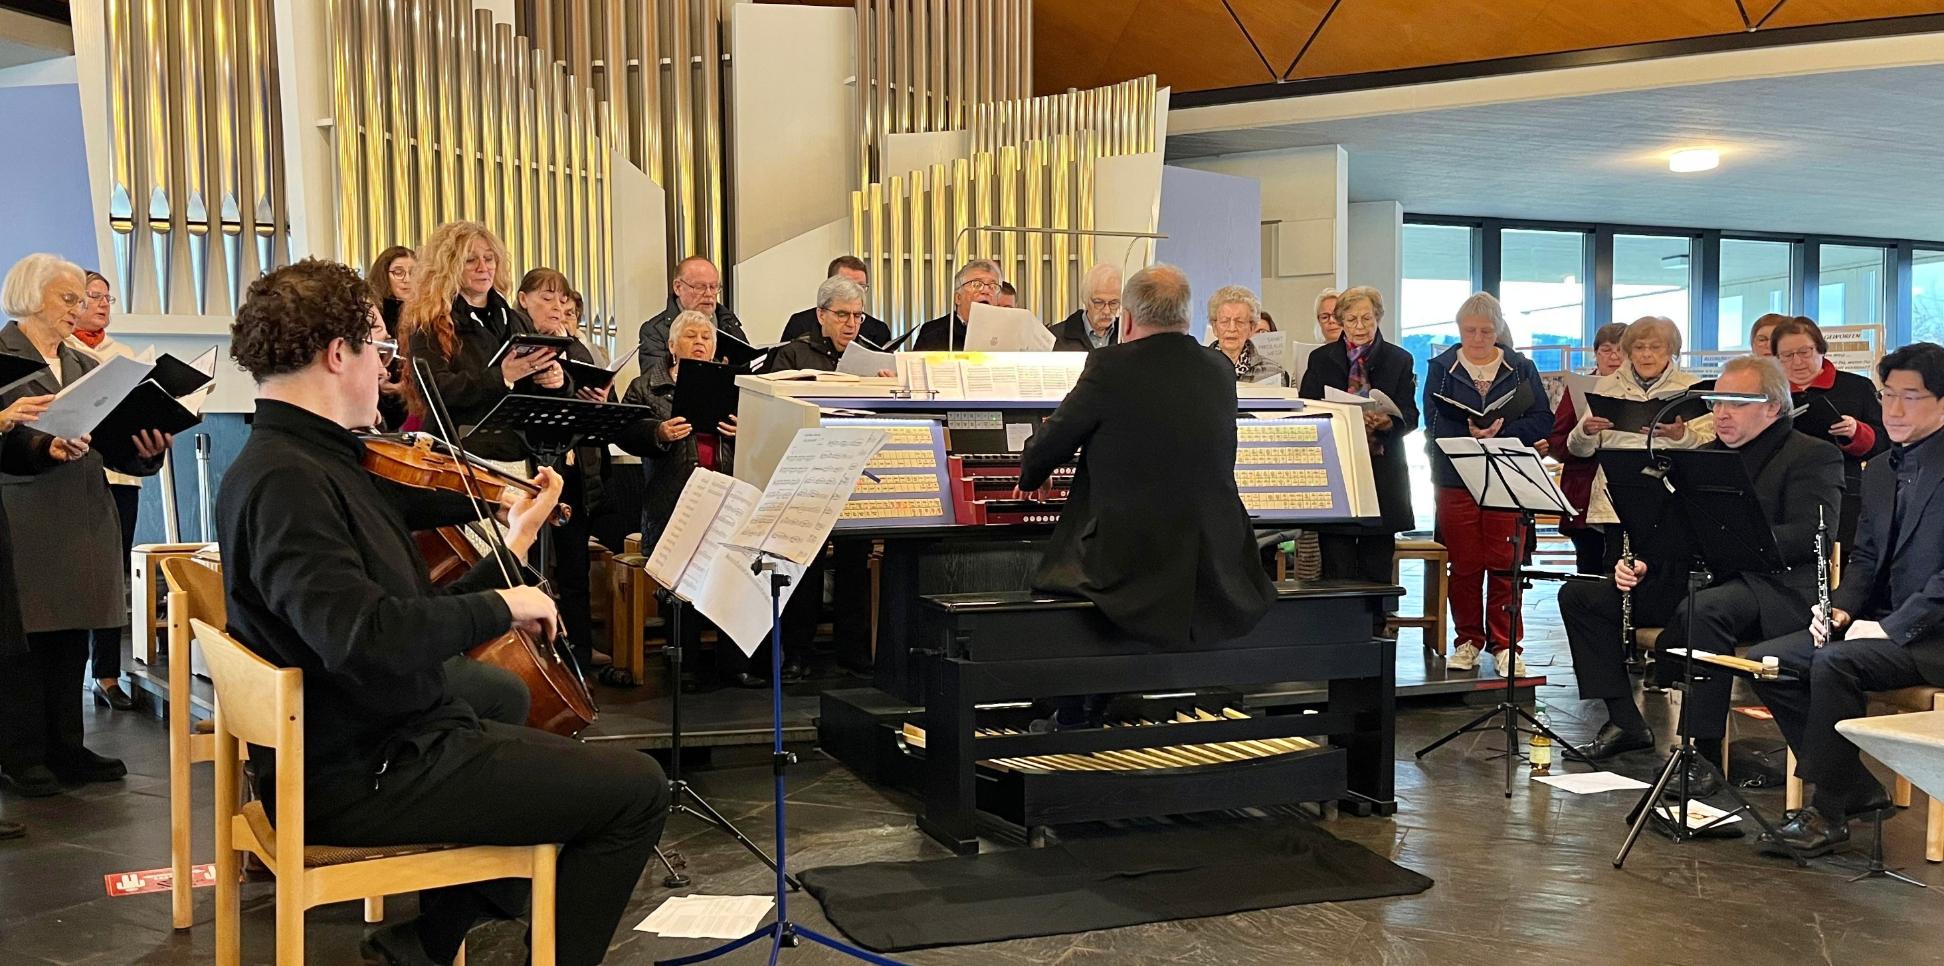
(1694, 159)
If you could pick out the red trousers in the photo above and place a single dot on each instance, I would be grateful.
(1478, 541)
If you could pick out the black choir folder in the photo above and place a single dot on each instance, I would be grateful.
(15, 370)
(1814, 415)
(124, 396)
(1635, 415)
(705, 394)
(530, 343)
(586, 375)
(1513, 402)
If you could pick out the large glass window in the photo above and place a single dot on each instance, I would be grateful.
(1927, 296)
(1653, 275)
(1542, 286)
(1850, 287)
(1438, 277)
(1757, 278)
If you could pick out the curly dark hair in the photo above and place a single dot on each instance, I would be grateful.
(293, 313)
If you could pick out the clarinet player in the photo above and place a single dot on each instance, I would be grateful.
(1884, 628)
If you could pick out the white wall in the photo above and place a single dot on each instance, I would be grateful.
(1376, 242)
(1305, 215)
(776, 283)
(794, 155)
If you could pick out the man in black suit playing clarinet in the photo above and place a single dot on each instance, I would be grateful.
(1154, 531)
(1885, 629)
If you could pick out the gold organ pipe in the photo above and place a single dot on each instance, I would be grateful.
(939, 282)
(882, 19)
(438, 90)
(195, 143)
(1085, 190)
(397, 56)
(857, 235)
(861, 61)
(470, 199)
(894, 197)
(879, 257)
(914, 265)
(425, 50)
(121, 105)
(1009, 162)
(961, 212)
(1033, 291)
(344, 39)
(900, 14)
(223, 25)
(984, 187)
(160, 218)
(921, 56)
(1062, 218)
(711, 157)
(525, 117)
(601, 299)
(493, 113)
(269, 228)
(377, 181)
(559, 117)
(543, 237)
(682, 79)
(578, 180)
(940, 56)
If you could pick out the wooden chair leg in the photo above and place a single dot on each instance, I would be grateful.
(1900, 792)
(1792, 786)
(229, 906)
(543, 936)
(1933, 830)
(290, 917)
(374, 910)
(182, 895)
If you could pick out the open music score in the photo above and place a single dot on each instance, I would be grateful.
(1281, 480)
(990, 375)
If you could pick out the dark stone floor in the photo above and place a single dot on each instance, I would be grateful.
(1527, 880)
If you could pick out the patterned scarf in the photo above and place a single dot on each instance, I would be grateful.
(1359, 384)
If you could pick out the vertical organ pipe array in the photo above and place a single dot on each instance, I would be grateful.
(197, 153)
(1032, 165)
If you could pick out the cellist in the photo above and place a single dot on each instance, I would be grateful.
(321, 573)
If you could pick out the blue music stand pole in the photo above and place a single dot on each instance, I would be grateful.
(783, 932)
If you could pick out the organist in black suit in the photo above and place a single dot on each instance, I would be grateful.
(1888, 612)
(1154, 531)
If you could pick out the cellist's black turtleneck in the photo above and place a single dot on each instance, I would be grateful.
(320, 573)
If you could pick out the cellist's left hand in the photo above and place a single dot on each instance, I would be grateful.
(527, 514)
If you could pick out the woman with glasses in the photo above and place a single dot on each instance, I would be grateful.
(66, 516)
(1842, 408)
(1761, 334)
(1576, 472)
(456, 321)
(391, 281)
(1364, 363)
(1232, 314)
(1326, 317)
(91, 336)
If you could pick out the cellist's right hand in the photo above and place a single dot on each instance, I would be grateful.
(533, 611)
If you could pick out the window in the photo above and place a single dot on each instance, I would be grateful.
(1653, 275)
(1850, 288)
(1543, 286)
(1757, 278)
(1927, 296)
(1438, 277)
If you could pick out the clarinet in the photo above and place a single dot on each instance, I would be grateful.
(1626, 601)
(1822, 572)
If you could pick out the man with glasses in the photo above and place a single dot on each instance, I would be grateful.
(1094, 325)
(1885, 629)
(1798, 481)
(697, 287)
(872, 330)
(976, 281)
(840, 314)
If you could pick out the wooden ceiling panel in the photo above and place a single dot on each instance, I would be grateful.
(1373, 35)
(1280, 27)
(1073, 44)
(1191, 44)
(1800, 13)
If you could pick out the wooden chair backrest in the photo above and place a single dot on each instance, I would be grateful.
(256, 701)
(201, 587)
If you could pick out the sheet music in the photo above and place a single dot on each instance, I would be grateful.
(1578, 384)
(991, 380)
(995, 329)
(1273, 346)
(712, 507)
(1512, 479)
(942, 374)
(81, 405)
(861, 360)
(1377, 401)
(808, 491)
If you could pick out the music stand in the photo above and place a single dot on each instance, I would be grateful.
(552, 425)
(1507, 475)
(1719, 520)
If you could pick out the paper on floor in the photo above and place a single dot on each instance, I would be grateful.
(1591, 783)
(1699, 814)
(708, 917)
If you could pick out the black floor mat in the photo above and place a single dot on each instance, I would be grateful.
(1123, 879)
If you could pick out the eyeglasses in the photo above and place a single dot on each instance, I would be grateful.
(712, 288)
(70, 299)
(1358, 320)
(1797, 355)
(1105, 305)
(844, 316)
(399, 272)
(387, 349)
(1904, 398)
(103, 298)
(980, 285)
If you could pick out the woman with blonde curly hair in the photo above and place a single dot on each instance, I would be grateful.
(457, 320)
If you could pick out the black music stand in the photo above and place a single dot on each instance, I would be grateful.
(1506, 475)
(552, 425)
(682, 797)
(783, 931)
(1718, 519)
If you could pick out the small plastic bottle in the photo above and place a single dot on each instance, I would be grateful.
(1541, 747)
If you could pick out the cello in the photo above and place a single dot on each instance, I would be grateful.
(561, 701)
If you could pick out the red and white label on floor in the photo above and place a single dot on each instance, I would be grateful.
(156, 880)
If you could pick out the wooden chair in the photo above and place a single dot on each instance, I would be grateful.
(1901, 701)
(145, 590)
(195, 592)
(263, 705)
(1436, 561)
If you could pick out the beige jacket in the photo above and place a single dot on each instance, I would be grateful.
(1621, 384)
